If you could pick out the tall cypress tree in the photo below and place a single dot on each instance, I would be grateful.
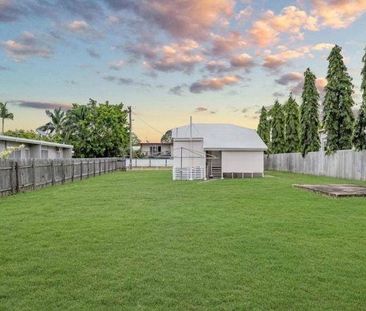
(338, 117)
(359, 138)
(292, 125)
(278, 129)
(264, 126)
(309, 115)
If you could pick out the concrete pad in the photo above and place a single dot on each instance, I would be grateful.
(336, 190)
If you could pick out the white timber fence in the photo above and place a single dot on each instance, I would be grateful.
(24, 175)
(150, 163)
(348, 164)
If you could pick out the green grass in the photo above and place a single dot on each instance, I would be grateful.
(139, 241)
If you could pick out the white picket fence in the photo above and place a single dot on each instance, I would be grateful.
(348, 164)
(188, 173)
(146, 163)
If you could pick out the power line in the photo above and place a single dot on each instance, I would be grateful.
(153, 128)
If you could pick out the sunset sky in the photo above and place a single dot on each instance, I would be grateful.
(214, 60)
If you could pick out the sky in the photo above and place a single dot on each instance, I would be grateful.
(218, 61)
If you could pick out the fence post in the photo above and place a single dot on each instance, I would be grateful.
(34, 174)
(17, 177)
(149, 162)
(166, 162)
(63, 177)
(52, 173)
(100, 167)
(73, 170)
(81, 169)
(94, 166)
(13, 177)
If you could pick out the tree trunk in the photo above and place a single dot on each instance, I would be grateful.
(2, 126)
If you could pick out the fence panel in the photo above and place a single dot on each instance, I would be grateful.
(146, 163)
(348, 164)
(22, 175)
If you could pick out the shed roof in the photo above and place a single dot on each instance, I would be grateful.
(33, 142)
(217, 136)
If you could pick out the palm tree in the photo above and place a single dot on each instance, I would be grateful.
(56, 125)
(5, 114)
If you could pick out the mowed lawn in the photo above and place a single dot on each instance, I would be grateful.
(139, 241)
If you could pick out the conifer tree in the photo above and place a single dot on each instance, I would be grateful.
(359, 138)
(309, 115)
(264, 126)
(292, 125)
(278, 129)
(338, 117)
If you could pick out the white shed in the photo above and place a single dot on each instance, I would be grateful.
(206, 150)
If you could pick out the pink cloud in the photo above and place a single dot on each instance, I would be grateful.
(227, 43)
(338, 13)
(182, 18)
(27, 45)
(213, 84)
(291, 20)
(274, 61)
(242, 61)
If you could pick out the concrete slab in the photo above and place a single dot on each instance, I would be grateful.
(336, 190)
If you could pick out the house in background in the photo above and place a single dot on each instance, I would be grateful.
(156, 150)
(35, 149)
(203, 151)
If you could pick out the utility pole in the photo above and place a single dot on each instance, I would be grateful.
(130, 125)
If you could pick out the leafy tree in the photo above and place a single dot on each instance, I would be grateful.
(278, 129)
(359, 138)
(4, 114)
(264, 126)
(97, 130)
(167, 137)
(309, 115)
(56, 125)
(338, 117)
(292, 125)
(135, 140)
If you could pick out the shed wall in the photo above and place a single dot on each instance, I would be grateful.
(242, 162)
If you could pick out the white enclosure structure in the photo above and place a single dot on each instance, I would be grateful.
(203, 151)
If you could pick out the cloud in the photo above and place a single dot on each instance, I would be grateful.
(93, 53)
(125, 81)
(10, 11)
(213, 84)
(227, 43)
(27, 45)
(289, 78)
(3, 68)
(338, 13)
(79, 26)
(321, 83)
(179, 56)
(177, 90)
(291, 20)
(192, 18)
(215, 66)
(200, 109)
(40, 105)
(117, 65)
(243, 15)
(274, 61)
(278, 94)
(243, 61)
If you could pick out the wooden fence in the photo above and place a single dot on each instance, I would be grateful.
(348, 164)
(23, 175)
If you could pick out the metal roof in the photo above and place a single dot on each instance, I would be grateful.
(217, 136)
(34, 142)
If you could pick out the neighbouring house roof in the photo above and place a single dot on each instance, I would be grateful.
(153, 144)
(218, 136)
(33, 142)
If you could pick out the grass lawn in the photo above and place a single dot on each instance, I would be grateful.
(139, 241)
